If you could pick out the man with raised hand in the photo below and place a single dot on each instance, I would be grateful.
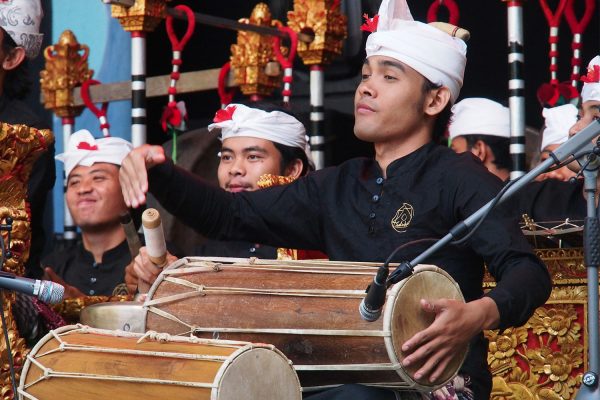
(411, 76)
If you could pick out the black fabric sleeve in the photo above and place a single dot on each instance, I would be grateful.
(522, 280)
(283, 216)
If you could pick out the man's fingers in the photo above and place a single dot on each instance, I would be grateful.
(52, 276)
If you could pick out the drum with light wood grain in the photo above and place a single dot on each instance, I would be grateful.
(79, 362)
(308, 310)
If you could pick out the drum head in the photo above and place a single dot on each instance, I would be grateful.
(259, 373)
(408, 318)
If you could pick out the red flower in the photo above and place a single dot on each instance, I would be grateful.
(370, 24)
(86, 146)
(170, 116)
(224, 115)
(593, 75)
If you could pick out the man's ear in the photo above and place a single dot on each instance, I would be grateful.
(480, 149)
(436, 100)
(13, 59)
(294, 169)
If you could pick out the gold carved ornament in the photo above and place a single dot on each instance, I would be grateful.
(323, 19)
(66, 68)
(20, 146)
(256, 70)
(143, 16)
(545, 358)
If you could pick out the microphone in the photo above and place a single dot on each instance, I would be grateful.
(46, 291)
(370, 307)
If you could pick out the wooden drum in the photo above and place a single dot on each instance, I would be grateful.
(79, 362)
(308, 310)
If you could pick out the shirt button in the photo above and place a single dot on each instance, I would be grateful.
(372, 215)
(371, 229)
(92, 292)
(252, 249)
(95, 265)
(375, 198)
(379, 180)
(93, 279)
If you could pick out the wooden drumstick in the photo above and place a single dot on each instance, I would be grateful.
(452, 30)
(155, 237)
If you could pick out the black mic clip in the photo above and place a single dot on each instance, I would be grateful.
(403, 271)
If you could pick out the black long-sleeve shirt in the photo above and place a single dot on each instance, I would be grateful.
(352, 213)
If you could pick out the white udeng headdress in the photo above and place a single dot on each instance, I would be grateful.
(479, 116)
(83, 149)
(434, 54)
(591, 86)
(558, 122)
(21, 19)
(276, 126)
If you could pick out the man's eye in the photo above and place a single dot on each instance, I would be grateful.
(364, 77)
(389, 78)
(254, 157)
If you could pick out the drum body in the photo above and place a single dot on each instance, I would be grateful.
(78, 362)
(308, 310)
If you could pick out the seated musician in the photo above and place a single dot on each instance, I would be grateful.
(558, 121)
(257, 140)
(482, 127)
(95, 265)
(412, 192)
(590, 97)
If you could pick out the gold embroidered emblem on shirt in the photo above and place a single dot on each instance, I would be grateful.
(403, 216)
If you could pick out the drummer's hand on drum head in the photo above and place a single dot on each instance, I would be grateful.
(454, 325)
(133, 173)
(71, 292)
(146, 271)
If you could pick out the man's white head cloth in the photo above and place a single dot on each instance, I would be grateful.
(591, 86)
(21, 19)
(238, 120)
(479, 116)
(558, 122)
(434, 54)
(83, 149)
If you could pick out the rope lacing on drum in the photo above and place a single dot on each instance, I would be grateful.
(155, 336)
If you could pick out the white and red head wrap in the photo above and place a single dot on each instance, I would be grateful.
(591, 85)
(558, 122)
(479, 116)
(21, 19)
(434, 54)
(83, 149)
(238, 120)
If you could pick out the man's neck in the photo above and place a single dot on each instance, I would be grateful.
(388, 152)
(99, 242)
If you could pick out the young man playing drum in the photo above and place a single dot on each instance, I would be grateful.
(413, 192)
(257, 141)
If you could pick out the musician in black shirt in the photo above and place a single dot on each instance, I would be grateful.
(365, 208)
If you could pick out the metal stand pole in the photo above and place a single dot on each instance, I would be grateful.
(591, 246)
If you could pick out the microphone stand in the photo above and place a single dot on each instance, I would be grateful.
(6, 253)
(591, 245)
(570, 148)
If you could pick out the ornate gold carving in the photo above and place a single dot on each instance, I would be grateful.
(253, 52)
(268, 180)
(66, 68)
(324, 20)
(545, 358)
(144, 15)
(20, 146)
